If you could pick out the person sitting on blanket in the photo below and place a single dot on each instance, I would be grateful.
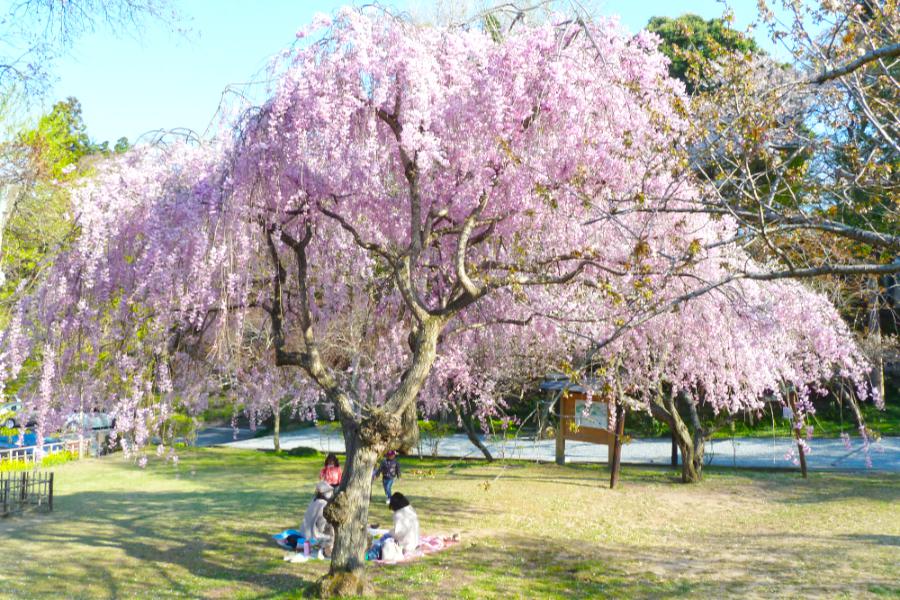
(406, 523)
(331, 472)
(315, 527)
(405, 532)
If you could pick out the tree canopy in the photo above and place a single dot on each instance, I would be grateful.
(416, 212)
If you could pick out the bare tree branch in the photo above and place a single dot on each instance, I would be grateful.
(889, 51)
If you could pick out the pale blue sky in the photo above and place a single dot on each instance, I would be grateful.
(158, 79)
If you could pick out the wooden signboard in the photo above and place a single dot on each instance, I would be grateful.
(579, 422)
(577, 425)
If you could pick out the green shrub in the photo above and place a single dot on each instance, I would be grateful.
(431, 433)
(51, 460)
(640, 424)
(302, 451)
(17, 464)
(182, 427)
(504, 428)
(14, 432)
(59, 458)
(501, 425)
(329, 427)
(219, 410)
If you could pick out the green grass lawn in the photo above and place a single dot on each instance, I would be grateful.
(202, 529)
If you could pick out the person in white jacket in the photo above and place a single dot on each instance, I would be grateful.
(406, 524)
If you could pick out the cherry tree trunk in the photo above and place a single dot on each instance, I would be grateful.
(873, 330)
(797, 434)
(469, 426)
(349, 514)
(366, 436)
(276, 430)
(695, 473)
(691, 446)
(691, 455)
(409, 436)
(699, 436)
(616, 463)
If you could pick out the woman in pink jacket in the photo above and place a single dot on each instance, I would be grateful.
(331, 473)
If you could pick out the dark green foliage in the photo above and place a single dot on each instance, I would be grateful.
(302, 451)
(59, 140)
(691, 42)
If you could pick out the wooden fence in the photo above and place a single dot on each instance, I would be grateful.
(25, 490)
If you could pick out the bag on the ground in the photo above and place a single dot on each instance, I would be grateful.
(391, 551)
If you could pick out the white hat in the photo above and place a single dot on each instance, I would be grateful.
(324, 490)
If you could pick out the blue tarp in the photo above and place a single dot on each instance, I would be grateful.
(281, 538)
(12, 441)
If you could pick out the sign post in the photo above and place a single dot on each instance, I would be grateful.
(560, 444)
(616, 462)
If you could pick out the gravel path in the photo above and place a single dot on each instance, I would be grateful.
(827, 454)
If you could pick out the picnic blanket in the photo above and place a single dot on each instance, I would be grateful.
(282, 539)
(428, 544)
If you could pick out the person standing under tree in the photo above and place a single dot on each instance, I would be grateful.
(389, 470)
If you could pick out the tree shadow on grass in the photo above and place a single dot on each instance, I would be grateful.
(880, 540)
(211, 535)
(188, 543)
(215, 541)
